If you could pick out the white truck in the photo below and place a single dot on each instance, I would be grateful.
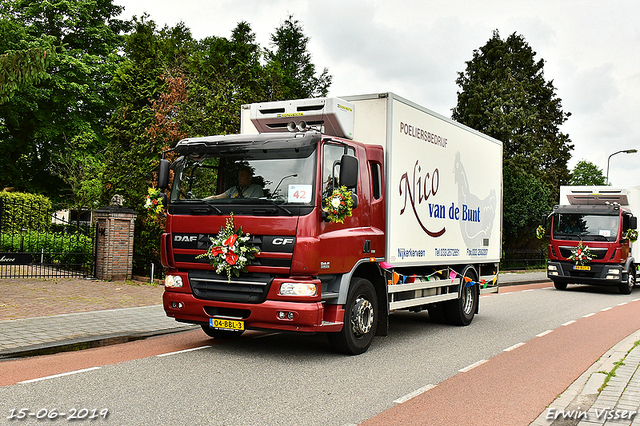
(592, 237)
(422, 230)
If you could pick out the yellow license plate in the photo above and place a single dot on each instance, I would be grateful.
(581, 268)
(225, 324)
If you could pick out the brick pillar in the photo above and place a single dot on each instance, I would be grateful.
(114, 248)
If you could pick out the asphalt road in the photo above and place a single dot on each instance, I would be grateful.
(279, 379)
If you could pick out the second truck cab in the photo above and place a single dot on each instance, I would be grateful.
(592, 237)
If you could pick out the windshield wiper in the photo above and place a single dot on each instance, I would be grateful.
(273, 203)
(207, 205)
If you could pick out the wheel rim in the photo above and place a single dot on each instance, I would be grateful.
(468, 300)
(362, 316)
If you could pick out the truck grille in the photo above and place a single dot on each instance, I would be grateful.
(598, 253)
(275, 255)
(247, 289)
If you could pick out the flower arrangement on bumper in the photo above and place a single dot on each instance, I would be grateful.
(229, 251)
(339, 204)
(581, 255)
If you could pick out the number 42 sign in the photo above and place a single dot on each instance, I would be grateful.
(299, 194)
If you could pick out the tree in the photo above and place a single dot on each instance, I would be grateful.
(46, 115)
(290, 64)
(523, 206)
(140, 127)
(504, 95)
(587, 173)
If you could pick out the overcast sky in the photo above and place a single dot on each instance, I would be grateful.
(415, 48)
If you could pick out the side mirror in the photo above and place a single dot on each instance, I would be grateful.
(543, 222)
(349, 171)
(633, 222)
(163, 174)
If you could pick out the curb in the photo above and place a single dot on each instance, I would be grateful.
(87, 342)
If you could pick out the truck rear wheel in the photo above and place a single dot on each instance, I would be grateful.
(627, 288)
(462, 310)
(360, 319)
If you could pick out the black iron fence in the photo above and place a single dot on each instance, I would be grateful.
(513, 259)
(36, 242)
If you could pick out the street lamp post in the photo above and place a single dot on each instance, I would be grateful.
(627, 151)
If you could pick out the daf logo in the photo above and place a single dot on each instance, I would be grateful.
(185, 238)
(282, 241)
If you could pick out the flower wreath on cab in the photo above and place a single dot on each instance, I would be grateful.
(338, 205)
(153, 201)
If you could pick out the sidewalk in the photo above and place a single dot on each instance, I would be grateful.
(39, 316)
(128, 312)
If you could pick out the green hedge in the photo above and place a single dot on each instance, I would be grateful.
(57, 248)
(20, 210)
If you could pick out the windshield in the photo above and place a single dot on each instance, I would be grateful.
(282, 176)
(586, 227)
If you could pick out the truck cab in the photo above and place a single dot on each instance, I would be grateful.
(590, 241)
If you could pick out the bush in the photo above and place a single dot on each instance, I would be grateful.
(20, 210)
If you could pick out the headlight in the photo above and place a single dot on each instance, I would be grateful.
(298, 289)
(552, 267)
(614, 271)
(173, 281)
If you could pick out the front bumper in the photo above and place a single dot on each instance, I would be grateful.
(594, 273)
(306, 316)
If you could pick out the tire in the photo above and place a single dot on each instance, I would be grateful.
(220, 334)
(559, 285)
(627, 288)
(462, 310)
(360, 319)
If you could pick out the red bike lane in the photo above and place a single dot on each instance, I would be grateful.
(514, 387)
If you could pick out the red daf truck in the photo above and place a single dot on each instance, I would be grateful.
(326, 215)
(592, 233)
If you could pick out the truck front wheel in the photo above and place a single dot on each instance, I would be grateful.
(627, 288)
(360, 319)
(220, 334)
(560, 285)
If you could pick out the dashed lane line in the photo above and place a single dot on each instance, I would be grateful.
(183, 351)
(60, 375)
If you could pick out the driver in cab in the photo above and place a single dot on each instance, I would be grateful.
(245, 188)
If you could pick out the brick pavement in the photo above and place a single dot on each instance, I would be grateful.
(37, 297)
(41, 314)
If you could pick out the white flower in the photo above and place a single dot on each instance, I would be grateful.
(335, 202)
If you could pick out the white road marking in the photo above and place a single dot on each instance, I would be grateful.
(510, 348)
(472, 366)
(183, 351)
(61, 375)
(413, 394)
